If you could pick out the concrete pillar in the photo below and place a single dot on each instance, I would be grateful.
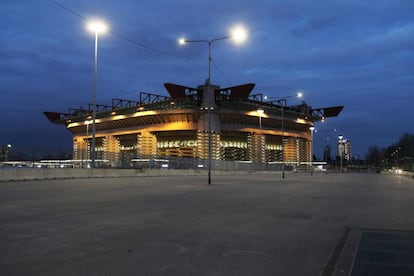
(257, 148)
(80, 149)
(146, 145)
(111, 147)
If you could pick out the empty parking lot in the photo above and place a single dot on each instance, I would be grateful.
(240, 225)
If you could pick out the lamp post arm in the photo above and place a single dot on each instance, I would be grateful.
(209, 42)
(220, 38)
(197, 40)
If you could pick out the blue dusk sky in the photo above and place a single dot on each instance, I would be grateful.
(355, 53)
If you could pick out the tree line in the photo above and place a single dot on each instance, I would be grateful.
(399, 155)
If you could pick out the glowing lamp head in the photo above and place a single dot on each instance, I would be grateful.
(299, 95)
(182, 41)
(238, 34)
(97, 27)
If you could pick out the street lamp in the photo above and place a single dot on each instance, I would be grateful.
(340, 150)
(7, 152)
(239, 35)
(282, 102)
(260, 156)
(260, 112)
(87, 122)
(312, 128)
(95, 27)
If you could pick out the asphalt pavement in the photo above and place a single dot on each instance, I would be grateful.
(240, 225)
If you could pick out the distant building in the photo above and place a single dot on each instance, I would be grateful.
(344, 148)
(178, 126)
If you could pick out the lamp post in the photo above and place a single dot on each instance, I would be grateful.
(260, 112)
(312, 128)
(87, 122)
(260, 156)
(95, 27)
(282, 102)
(340, 150)
(7, 152)
(239, 35)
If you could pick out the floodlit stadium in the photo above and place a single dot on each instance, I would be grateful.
(193, 125)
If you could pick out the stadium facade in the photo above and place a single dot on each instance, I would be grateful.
(197, 124)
